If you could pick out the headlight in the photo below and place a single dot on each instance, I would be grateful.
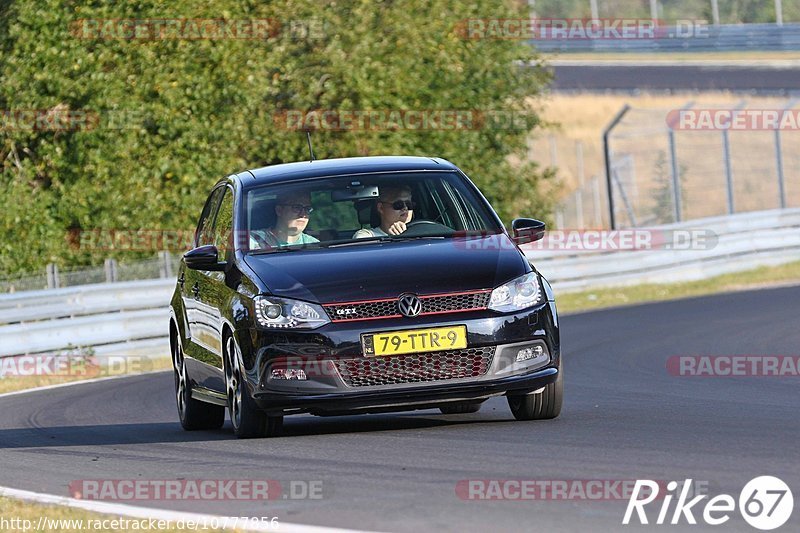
(274, 312)
(517, 294)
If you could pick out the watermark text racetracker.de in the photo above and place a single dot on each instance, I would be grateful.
(734, 119)
(125, 490)
(71, 365)
(597, 240)
(193, 29)
(579, 29)
(341, 120)
(725, 366)
(45, 523)
(553, 489)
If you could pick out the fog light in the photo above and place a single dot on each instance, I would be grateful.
(531, 352)
(289, 373)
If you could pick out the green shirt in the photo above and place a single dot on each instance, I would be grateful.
(272, 240)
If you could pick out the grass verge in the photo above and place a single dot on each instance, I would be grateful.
(14, 371)
(610, 297)
(17, 515)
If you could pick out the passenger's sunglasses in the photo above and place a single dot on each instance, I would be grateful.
(398, 205)
(299, 208)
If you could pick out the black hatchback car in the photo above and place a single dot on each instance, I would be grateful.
(359, 285)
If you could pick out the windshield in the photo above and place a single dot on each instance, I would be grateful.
(354, 210)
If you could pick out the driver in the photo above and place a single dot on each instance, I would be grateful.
(395, 209)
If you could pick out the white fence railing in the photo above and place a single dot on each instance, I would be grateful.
(131, 317)
(743, 241)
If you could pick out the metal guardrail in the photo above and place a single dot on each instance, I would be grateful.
(745, 241)
(131, 317)
(727, 37)
(106, 316)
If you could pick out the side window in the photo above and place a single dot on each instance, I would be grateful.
(203, 235)
(223, 226)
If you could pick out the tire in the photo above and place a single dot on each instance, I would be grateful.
(543, 406)
(193, 413)
(247, 419)
(461, 408)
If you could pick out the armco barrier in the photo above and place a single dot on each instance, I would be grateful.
(745, 241)
(131, 317)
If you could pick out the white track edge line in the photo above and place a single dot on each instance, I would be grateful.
(132, 510)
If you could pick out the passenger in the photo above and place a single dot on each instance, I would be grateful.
(396, 211)
(292, 210)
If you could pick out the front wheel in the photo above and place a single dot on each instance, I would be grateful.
(247, 419)
(542, 406)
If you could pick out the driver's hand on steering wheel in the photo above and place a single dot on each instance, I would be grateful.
(397, 228)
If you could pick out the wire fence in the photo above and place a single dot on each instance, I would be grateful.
(163, 266)
(672, 165)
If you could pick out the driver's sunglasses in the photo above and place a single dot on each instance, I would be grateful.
(299, 208)
(398, 205)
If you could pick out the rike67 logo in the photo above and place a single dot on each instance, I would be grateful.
(765, 503)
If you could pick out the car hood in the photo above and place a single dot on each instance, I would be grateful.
(385, 270)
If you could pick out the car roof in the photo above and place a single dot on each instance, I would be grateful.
(341, 166)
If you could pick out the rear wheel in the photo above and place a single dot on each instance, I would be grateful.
(247, 419)
(542, 406)
(461, 408)
(193, 413)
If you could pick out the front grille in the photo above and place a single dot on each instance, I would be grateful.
(414, 368)
(387, 308)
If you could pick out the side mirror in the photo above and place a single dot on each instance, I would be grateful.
(527, 230)
(204, 258)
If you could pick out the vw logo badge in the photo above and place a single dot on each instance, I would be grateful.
(409, 305)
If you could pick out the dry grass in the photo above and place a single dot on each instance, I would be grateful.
(609, 297)
(11, 383)
(22, 516)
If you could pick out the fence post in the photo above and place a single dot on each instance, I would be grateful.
(779, 165)
(166, 264)
(110, 267)
(779, 158)
(676, 178)
(675, 169)
(53, 282)
(598, 219)
(607, 155)
(726, 154)
(579, 192)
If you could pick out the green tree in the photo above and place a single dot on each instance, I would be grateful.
(200, 109)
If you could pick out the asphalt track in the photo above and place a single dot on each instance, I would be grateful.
(625, 417)
(621, 77)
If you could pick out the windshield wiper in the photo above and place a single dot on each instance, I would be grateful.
(362, 240)
(279, 249)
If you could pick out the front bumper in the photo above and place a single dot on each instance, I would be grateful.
(326, 389)
(423, 397)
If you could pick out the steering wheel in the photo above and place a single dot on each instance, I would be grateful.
(426, 227)
(418, 222)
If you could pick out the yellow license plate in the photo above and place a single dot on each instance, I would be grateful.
(414, 341)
